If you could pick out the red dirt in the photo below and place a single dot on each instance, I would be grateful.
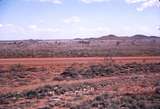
(133, 83)
(55, 66)
(47, 61)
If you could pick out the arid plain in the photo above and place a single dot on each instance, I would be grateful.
(87, 81)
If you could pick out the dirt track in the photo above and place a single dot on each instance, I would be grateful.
(49, 61)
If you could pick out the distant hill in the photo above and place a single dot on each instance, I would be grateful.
(108, 37)
(137, 45)
(113, 37)
(139, 36)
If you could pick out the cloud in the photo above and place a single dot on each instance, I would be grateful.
(93, 1)
(42, 30)
(135, 1)
(149, 3)
(144, 4)
(10, 28)
(52, 1)
(30, 30)
(72, 20)
(33, 27)
(1, 25)
(48, 1)
(158, 27)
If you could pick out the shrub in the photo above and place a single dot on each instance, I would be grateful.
(31, 94)
(17, 67)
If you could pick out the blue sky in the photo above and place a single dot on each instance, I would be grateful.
(66, 19)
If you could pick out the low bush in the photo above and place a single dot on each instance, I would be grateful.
(105, 70)
(17, 67)
(90, 72)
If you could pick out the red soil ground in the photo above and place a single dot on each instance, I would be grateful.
(133, 83)
(63, 62)
(55, 66)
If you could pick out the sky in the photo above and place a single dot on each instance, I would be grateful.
(67, 19)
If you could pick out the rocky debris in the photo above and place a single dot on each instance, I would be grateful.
(56, 102)
(46, 107)
(128, 101)
(45, 91)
